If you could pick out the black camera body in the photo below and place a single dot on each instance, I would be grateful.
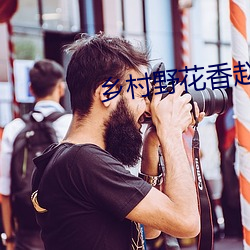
(208, 100)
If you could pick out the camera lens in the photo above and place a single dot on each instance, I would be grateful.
(210, 101)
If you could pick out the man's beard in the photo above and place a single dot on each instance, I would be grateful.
(122, 137)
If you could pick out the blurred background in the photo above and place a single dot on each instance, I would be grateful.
(179, 33)
(199, 34)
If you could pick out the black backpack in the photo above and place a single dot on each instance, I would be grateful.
(37, 135)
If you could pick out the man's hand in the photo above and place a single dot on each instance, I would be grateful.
(199, 115)
(171, 114)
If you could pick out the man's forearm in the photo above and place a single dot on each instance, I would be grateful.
(179, 183)
(7, 215)
(149, 166)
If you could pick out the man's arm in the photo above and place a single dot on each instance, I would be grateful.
(7, 220)
(175, 211)
(9, 134)
(149, 166)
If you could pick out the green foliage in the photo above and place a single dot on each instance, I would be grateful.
(25, 49)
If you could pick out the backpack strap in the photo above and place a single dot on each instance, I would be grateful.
(44, 123)
(54, 116)
(47, 128)
(50, 118)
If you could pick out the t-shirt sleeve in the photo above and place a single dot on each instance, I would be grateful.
(108, 184)
(10, 133)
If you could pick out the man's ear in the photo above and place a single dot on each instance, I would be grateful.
(62, 88)
(31, 90)
(104, 96)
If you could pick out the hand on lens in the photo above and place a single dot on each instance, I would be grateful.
(199, 115)
(172, 113)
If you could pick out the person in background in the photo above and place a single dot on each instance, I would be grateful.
(211, 164)
(47, 86)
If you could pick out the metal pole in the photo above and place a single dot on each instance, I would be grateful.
(40, 12)
(241, 100)
(87, 16)
(218, 31)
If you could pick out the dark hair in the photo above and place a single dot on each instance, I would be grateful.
(44, 76)
(95, 59)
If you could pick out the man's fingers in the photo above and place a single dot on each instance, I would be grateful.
(179, 89)
(186, 98)
(156, 98)
(198, 114)
(196, 109)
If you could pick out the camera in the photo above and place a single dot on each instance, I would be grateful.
(208, 100)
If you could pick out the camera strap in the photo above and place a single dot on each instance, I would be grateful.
(205, 238)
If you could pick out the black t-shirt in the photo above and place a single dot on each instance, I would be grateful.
(88, 194)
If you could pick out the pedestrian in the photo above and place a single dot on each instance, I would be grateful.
(47, 86)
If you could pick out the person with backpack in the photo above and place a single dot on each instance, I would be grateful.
(23, 139)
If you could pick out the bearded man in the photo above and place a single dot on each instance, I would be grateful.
(84, 196)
